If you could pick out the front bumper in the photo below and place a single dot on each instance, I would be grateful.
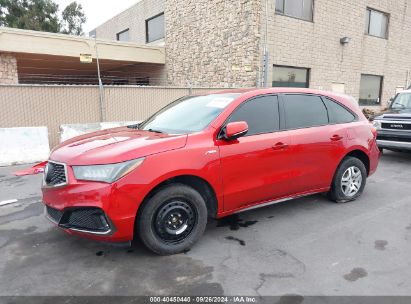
(94, 210)
(84, 220)
(389, 144)
(394, 139)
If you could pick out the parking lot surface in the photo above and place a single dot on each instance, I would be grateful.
(308, 246)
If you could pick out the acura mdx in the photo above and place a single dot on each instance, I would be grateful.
(208, 156)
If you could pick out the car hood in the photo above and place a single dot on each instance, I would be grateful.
(394, 114)
(114, 146)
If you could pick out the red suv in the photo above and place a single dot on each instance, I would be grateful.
(208, 157)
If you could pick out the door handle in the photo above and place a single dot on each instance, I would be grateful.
(336, 137)
(280, 146)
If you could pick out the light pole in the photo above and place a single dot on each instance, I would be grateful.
(100, 83)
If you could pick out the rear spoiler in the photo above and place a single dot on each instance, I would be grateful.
(36, 169)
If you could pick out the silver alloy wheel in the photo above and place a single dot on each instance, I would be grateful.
(351, 181)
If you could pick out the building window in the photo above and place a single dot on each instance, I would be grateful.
(301, 9)
(93, 34)
(285, 76)
(376, 23)
(123, 35)
(370, 90)
(155, 28)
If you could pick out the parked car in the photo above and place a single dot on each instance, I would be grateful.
(394, 124)
(208, 157)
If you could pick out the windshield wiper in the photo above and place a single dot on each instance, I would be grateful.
(136, 126)
(155, 131)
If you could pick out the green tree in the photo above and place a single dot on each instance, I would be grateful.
(37, 15)
(42, 15)
(73, 19)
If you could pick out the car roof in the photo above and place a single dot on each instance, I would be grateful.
(257, 91)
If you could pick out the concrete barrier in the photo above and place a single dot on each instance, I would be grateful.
(72, 130)
(23, 145)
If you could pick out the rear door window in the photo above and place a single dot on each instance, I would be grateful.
(261, 115)
(337, 113)
(304, 111)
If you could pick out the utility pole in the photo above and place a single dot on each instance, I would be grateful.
(100, 84)
(264, 69)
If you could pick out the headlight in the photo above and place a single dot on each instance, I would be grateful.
(106, 173)
(377, 124)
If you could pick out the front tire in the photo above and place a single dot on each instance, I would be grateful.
(172, 220)
(349, 180)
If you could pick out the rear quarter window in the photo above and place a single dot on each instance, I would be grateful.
(337, 113)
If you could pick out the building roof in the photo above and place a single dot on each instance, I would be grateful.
(42, 43)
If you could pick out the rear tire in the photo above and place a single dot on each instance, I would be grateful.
(172, 220)
(349, 180)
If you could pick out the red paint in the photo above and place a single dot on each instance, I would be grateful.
(235, 128)
(36, 169)
(243, 172)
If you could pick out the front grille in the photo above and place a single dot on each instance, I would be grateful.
(88, 219)
(396, 117)
(396, 126)
(55, 174)
(54, 214)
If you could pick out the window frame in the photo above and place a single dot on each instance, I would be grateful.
(226, 121)
(308, 127)
(380, 91)
(307, 83)
(322, 97)
(122, 32)
(368, 11)
(356, 118)
(285, 15)
(147, 21)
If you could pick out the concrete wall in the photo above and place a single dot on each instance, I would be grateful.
(316, 45)
(8, 69)
(133, 19)
(213, 42)
(23, 145)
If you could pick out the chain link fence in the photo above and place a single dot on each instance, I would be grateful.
(54, 105)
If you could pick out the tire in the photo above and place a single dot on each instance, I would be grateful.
(350, 172)
(172, 220)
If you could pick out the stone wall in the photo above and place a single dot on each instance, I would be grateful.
(316, 45)
(8, 69)
(133, 19)
(213, 42)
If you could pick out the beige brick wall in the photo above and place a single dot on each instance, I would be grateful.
(213, 42)
(316, 45)
(8, 69)
(133, 18)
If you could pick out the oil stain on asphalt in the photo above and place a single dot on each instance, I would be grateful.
(234, 222)
(355, 274)
(380, 244)
(231, 238)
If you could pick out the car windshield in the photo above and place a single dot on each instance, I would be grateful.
(402, 101)
(189, 114)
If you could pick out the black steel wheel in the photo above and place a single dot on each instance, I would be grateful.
(175, 221)
(172, 220)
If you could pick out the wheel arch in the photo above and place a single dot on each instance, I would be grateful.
(201, 185)
(361, 155)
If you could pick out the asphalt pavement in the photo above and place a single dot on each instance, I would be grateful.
(308, 246)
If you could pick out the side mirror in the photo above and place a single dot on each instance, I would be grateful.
(234, 130)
